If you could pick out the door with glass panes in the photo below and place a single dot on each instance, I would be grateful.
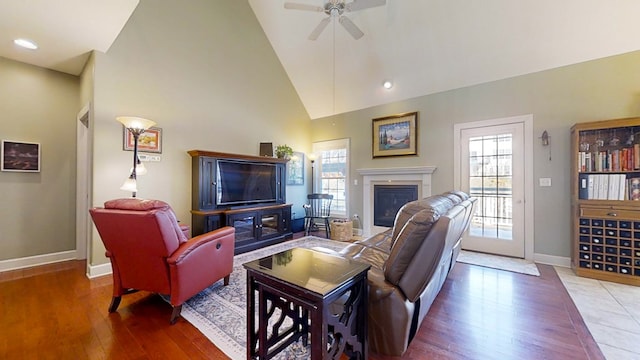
(492, 170)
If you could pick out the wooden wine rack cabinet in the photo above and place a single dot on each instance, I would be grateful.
(606, 222)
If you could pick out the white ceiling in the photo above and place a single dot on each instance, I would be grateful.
(429, 46)
(423, 46)
(66, 31)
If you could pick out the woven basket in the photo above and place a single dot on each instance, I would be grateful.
(341, 230)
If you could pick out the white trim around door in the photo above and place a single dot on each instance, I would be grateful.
(527, 122)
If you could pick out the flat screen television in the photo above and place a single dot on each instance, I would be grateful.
(245, 182)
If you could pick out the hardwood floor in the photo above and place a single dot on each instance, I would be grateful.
(55, 312)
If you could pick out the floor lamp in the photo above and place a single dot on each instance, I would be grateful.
(136, 126)
(312, 158)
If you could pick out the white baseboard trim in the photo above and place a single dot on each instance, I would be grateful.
(95, 271)
(36, 260)
(552, 260)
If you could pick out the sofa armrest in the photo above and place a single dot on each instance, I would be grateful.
(200, 262)
(389, 315)
(379, 287)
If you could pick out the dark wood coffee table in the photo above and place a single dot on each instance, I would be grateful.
(323, 297)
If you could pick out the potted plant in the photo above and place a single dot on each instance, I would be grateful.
(284, 151)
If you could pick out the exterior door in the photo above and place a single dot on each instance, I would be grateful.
(492, 170)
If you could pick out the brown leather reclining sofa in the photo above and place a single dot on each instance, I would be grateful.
(409, 264)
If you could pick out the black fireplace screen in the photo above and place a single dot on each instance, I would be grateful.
(388, 199)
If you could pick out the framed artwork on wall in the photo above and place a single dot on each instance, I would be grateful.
(266, 149)
(20, 156)
(149, 141)
(395, 135)
(295, 169)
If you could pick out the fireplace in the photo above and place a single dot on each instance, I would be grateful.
(418, 177)
(388, 199)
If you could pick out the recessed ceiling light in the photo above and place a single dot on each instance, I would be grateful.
(387, 84)
(27, 44)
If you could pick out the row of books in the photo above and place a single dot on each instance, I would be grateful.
(608, 187)
(624, 159)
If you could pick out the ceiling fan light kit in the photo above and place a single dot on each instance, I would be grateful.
(336, 9)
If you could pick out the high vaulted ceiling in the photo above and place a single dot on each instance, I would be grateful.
(429, 46)
(423, 46)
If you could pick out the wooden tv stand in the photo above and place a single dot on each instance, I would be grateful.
(256, 225)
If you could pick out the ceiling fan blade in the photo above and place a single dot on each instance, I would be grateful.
(318, 30)
(351, 27)
(305, 7)
(364, 4)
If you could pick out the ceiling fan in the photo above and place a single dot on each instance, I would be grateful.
(336, 9)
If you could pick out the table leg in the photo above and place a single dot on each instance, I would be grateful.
(263, 320)
(318, 332)
(251, 323)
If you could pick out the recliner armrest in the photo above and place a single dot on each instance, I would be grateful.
(194, 243)
(186, 230)
(199, 262)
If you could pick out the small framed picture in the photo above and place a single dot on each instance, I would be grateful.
(395, 135)
(20, 156)
(149, 141)
(295, 169)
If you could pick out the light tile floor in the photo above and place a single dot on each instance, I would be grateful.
(611, 311)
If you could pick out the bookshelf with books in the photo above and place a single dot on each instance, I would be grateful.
(605, 200)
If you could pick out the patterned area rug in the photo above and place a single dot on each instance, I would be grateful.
(499, 262)
(220, 312)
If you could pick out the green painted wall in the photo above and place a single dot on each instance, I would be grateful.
(600, 89)
(37, 210)
(208, 76)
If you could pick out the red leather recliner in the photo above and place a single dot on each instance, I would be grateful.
(150, 251)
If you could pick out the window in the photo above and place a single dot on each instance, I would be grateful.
(490, 180)
(332, 175)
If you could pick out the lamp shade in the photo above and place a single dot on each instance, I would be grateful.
(134, 122)
(140, 168)
(130, 185)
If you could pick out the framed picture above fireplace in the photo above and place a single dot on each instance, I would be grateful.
(395, 135)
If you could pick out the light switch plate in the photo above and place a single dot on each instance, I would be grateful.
(145, 157)
(545, 182)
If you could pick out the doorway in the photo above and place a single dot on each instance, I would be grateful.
(493, 164)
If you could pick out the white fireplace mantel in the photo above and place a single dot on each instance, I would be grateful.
(419, 175)
(410, 170)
